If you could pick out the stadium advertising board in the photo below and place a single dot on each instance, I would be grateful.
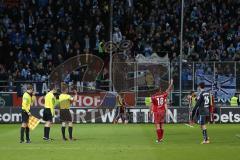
(5, 99)
(227, 115)
(39, 87)
(135, 115)
(83, 100)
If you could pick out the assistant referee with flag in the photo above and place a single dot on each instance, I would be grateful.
(27, 101)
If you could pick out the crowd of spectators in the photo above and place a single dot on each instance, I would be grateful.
(38, 35)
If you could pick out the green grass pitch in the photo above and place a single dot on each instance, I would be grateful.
(123, 142)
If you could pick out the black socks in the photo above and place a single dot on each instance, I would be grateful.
(27, 133)
(22, 133)
(63, 132)
(70, 129)
(204, 132)
(46, 132)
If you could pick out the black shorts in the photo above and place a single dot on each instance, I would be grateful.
(203, 119)
(65, 115)
(25, 117)
(47, 115)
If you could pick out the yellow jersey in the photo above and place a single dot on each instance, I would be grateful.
(27, 101)
(234, 101)
(50, 101)
(148, 101)
(119, 101)
(65, 101)
(193, 101)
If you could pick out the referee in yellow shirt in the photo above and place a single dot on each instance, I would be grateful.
(48, 113)
(27, 100)
(65, 116)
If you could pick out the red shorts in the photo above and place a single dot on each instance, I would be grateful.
(159, 117)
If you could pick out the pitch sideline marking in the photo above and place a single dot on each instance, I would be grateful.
(189, 125)
(238, 135)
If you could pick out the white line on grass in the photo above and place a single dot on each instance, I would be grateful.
(238, 135)
(74, 148)
(189, 125)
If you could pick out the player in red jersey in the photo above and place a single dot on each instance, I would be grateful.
(159, 106)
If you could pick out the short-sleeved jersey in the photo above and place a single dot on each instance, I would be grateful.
(27, 100)
(159, 101)
(50, 101)
(203, 103)
(65, 101)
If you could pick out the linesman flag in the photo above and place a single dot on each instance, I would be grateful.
(33, 122)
